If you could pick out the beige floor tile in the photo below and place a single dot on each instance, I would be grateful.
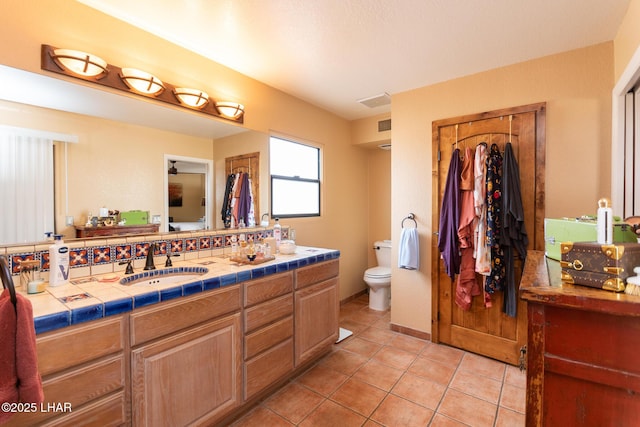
(467, 409)
(432, 370)
(262, 416)
(322, 380)
(508, 418)
(379, 375)
(481, 365)
(396, 411)
(443, 354)
(419, 390)
(408, 343)
(440, 420)
(394, 357)
(515, 376)
(513, 398)
(362, 347)
(344, 361)
(379, 335)
(331, 414)
(476, 385)
(294, 402)
(359, 396)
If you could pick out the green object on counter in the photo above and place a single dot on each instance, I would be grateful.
(135, 217)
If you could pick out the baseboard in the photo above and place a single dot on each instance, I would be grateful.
(411, 332)
(354, 296)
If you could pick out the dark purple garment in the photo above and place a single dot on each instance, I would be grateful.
(450, 218)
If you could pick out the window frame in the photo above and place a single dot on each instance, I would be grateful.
(276, 177)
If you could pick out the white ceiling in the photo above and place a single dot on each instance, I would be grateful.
(332, 53)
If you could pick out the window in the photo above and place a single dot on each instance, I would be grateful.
(295, 179)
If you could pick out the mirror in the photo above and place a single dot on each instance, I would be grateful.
(121, 159)
(186, 194)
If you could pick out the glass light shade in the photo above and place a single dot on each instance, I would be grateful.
(232, 110)
(79, 63)
(141, 81)
(194, 98)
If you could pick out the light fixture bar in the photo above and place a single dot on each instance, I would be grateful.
(90, 68)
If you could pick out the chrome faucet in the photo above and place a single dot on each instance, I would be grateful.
(149, 264)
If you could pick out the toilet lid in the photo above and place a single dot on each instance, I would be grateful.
(378, 272)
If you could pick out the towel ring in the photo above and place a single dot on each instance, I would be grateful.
(7, 280)
(411, 217)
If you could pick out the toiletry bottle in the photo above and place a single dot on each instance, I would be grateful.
(277, 233)
(604, 223)
(58, 262)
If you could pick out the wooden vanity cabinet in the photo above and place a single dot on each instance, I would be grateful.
(268, 332)
(84, 367)
(185, 360)
(316, 309)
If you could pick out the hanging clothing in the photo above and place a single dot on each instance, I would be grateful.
(467, 286)
(227, 201)
(480, 247)
(495, 280)
(513, 234)
(450, 218)
(244, 199)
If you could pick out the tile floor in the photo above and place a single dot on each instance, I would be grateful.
(378, 377)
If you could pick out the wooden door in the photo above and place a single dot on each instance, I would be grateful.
(488, 331)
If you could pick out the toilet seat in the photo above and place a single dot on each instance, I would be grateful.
(378, 273)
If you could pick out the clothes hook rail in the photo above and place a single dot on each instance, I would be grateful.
(410, 217)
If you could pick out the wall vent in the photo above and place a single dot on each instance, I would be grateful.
(384, 125)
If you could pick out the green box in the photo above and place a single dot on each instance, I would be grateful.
(135, 217)
(582, 229)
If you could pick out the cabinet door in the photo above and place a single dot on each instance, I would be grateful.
(190, 378)
(316, 319)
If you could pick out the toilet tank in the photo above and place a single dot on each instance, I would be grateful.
(383, 252)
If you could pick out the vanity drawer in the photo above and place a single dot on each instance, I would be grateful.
(267, 368)
(75, 345)
(166, 318)
(261, 290)
(267, 312)
(306, 276)
(262, 339)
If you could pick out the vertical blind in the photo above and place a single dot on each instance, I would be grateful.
(26, 186)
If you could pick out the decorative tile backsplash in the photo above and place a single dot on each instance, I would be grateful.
(99, 252)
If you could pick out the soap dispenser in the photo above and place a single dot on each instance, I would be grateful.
(58, 262)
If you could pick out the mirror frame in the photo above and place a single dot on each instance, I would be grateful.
(208, 181)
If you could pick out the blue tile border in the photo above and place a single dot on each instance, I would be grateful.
(49, 322)
(85, 314)
(118, 306)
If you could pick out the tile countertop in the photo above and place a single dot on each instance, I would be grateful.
(89, 298)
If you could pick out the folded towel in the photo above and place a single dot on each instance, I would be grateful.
(409, 249)
(19, 377)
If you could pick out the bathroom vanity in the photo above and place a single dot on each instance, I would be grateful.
(200, 352)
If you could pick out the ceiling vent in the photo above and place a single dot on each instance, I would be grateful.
(384, 125)
(376, 101)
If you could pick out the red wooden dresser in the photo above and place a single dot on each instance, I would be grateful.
(583, 351)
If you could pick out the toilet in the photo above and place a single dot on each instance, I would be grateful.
(379, 278)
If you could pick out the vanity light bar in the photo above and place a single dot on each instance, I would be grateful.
(89, 67)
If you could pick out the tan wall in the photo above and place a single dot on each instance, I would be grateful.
(25, 25)
(575, 85)
(628, 38)
(379, 199)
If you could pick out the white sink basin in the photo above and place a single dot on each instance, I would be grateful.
(165, 276)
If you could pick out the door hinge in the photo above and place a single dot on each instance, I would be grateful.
(523, 358)
(439, 155)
